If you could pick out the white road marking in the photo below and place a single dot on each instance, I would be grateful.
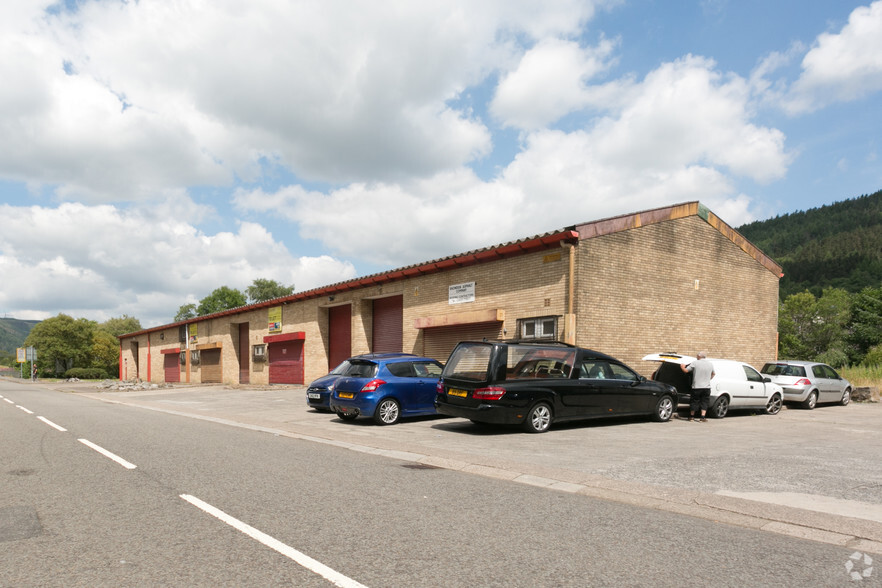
(9, 401)
(304, 560)
(23, 408)
(105, 453)
(51, 424)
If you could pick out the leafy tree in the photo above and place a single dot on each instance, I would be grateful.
(187, 311)
(62, 343)
(865, 326)
(105, 352)
(810, 327)
(262, 290)
(120, 326)
(223, 298)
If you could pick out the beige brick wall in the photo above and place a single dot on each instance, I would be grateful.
(635, 293)
(678, 286)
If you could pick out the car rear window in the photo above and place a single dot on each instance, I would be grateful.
(361, 369)
(783, 369)
(469, 362)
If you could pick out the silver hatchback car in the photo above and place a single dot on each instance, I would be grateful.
(809, 382)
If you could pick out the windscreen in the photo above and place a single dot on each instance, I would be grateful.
(361, 369)
(783, 369)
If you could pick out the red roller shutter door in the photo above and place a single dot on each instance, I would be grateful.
(438, 342)
(171, 364)
(286, 362)
(340, 327)
(388, 325)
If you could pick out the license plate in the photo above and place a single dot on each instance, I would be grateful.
(457, 392)
(346, 395)
(314, 396)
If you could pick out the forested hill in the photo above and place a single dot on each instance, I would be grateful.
(838, 245)
(13, 332)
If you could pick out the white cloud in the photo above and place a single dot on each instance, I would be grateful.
(683, 133)
(842, 66)
(101, 261)
(122, 100)
(549, 82)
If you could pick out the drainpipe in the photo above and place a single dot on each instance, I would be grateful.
(569, 332)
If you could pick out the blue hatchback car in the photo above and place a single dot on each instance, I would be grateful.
(318, 393)
(386, 388)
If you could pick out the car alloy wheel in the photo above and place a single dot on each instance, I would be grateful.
(811, 401)
(664, 410)
(538, 419)
(720, 407)
(846, 397)
(774, 405)
(388, 412)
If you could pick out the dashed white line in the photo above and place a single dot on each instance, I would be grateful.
(51, 424)
(304, 560)
(9, 401)
(105, 453)
(23, 408)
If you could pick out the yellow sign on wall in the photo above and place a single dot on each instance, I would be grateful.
(275, 319)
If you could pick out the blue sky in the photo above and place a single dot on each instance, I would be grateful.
(155, 151)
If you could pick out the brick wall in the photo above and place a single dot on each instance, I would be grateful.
(678, 285)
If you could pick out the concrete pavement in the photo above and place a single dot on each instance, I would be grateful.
(810, 474)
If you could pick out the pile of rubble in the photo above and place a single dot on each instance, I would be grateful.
(129, 385)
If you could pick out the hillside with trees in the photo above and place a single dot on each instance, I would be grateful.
(834, 246)
(12, 334)
(831, 292)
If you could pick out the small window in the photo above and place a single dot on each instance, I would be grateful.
(538, 328)
(620, 372)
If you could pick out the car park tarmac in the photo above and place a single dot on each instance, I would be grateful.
(811, 474)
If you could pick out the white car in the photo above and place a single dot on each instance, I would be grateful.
(735, 385)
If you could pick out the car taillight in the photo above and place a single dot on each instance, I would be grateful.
(803, 382)
(372, 385)
(439, 388)
(489, 393)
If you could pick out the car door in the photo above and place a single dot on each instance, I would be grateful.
(828, 383)
(426, 376)
(756, 387)
(593, 393)
(626, 395)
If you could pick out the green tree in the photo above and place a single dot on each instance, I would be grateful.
(62, 343)
(105, 352)
(812, 327)
(865, 326)
(121, 325)
(262, 290)
(186, 311)
(223, 298)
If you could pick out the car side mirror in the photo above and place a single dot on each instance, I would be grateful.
(767, 379)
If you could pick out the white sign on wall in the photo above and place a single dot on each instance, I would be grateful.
(459, 293)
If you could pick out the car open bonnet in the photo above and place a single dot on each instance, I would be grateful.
(670, 358)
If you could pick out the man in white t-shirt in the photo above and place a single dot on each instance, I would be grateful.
(702, 373)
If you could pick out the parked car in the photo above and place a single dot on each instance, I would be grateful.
(538, 384)
(318, 393)
(809, 382)
(386, 388)
(735, 385)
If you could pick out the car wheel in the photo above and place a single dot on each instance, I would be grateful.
(538, 419)
(346, 417)
(811, 401)
(774, 405)
(664, 410)
(388, 412)
(846, 397)
(720, 407)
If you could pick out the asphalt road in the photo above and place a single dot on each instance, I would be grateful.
(72, 516)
